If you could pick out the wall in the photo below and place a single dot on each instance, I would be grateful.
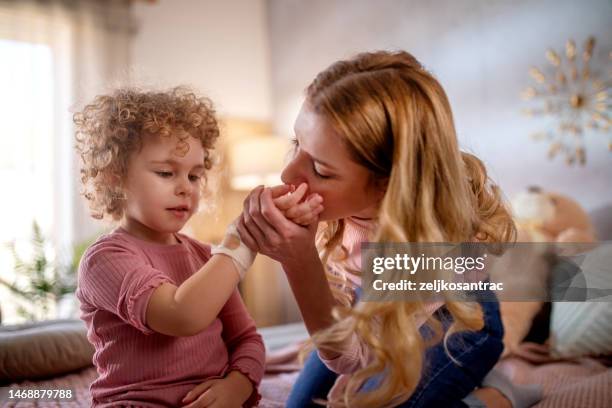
(220, 47)
(479, 50)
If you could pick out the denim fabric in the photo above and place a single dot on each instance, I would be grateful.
(443, 383)
(314, 382)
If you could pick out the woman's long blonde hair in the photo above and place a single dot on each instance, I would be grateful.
(396, 121)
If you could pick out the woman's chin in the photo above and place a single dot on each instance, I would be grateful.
(326, 216)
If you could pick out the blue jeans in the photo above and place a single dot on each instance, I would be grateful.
(443, 382)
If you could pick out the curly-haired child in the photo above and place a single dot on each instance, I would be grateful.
(162, 309)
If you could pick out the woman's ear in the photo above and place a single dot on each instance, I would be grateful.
(381, 184)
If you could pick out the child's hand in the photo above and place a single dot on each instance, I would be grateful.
(303, 212)
(229, 392)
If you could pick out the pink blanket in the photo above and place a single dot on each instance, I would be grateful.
(582, 383)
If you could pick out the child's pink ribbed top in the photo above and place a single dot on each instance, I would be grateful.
(136, 365)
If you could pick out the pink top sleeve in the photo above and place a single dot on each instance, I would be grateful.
(356, 354)
(245, 346)
(115, 278)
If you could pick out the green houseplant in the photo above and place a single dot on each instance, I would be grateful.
(43, 278)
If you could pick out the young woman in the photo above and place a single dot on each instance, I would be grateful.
(375, 139)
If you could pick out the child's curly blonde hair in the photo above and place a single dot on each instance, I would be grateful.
(113, 126)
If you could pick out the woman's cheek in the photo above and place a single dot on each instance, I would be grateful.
(328, 201)
(318, 186)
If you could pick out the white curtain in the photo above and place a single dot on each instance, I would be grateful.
(54, 57)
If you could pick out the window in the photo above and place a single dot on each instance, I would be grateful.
(29, 149)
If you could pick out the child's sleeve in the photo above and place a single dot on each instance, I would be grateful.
(114, 277)
(245, 346)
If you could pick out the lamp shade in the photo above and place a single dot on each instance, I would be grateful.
(257, 160)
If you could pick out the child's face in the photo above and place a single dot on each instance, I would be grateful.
(162, 188)
(323, 162)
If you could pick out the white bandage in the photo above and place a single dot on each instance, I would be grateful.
(233, 247)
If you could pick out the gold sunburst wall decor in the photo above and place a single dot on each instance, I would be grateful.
(574, 92)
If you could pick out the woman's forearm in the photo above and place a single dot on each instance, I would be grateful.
(313, 295)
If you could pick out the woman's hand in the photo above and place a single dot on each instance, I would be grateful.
(229, 392)
(264, 228)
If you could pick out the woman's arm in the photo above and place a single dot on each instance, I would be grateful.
(312, 293)
(264, 228)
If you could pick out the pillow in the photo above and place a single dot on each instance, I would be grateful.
(43, 349)
(585, 328)
(581, 329)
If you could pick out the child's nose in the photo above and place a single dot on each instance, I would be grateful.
(183, 186)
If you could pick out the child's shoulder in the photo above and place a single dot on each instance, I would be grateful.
(105, 260)
(200, 248)
(108, 245)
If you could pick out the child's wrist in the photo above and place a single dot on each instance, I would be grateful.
(232, 246)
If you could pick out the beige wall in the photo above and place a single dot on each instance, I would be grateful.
(220, 47)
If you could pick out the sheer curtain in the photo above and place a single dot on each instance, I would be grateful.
(54, 56)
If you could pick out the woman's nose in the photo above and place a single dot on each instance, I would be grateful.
(292, 174)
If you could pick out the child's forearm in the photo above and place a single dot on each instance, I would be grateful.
(191, 307)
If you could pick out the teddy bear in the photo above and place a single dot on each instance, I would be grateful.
(550, 217)
(542, 217)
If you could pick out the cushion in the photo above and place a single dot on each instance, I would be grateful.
(581, 329)
(585, 328)
(43, 349)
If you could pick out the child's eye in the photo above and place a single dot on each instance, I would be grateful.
(193, 177)
(164, 174)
